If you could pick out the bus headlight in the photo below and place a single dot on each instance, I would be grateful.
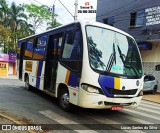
(92, 89)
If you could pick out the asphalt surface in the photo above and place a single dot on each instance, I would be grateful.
(35, 107)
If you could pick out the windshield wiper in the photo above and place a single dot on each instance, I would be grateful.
(121, 55)
(129, 63)
(112, 59)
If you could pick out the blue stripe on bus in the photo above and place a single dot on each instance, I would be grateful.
(73, 80)
(106, 82)
(39, 74)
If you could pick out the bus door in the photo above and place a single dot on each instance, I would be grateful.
(53, 52)
(21, 60)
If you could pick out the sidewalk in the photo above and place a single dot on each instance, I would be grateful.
(153, 98)
(9, 77)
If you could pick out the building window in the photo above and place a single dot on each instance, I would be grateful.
(157, 67)
(145, 45)
(137, 18)
(109, 21)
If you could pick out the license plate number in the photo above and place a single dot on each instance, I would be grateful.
(116, 107)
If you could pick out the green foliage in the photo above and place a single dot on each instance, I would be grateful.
(6, 39)
(19, 21)
(13, 25)
(52, 24)
(37, 15)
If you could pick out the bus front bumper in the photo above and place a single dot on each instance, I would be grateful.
(91, 100)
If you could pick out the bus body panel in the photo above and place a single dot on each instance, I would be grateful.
(35, 71)
(66, 77)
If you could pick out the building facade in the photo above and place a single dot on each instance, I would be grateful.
(7, 64)
(141, 19)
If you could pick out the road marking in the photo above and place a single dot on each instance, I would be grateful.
(109, 121)
(135, 119)
(146, 105)
(149, 110)
(142, 114)
(150, 103)
(63, 120)
(15, 121)
(58, 118)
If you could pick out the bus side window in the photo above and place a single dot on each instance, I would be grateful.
(29, 49)
(19, 49)
(71, 53)
(40, 48)
(57, 49)
(59, 46)
(71, 49)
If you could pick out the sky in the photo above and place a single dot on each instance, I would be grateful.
(63, 16)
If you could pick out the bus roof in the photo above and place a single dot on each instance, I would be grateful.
(82, 22)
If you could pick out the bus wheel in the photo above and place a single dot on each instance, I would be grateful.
(64, 100)
(27, 86)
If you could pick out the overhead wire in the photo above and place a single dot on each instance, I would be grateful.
(39, 2)
(66, 8)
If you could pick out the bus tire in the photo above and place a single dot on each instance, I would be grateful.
(27, 85)
(63, 100)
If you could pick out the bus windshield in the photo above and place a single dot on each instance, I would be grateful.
(113, 53)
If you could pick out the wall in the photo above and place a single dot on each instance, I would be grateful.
(4, 69)
(151, 55)
(7, 64)
(121, 10)
(10, 68)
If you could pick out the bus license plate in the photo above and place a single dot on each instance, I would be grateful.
(116, 107)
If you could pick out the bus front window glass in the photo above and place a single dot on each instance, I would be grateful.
(112, 52)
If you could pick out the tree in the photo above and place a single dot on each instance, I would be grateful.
(13, 25)
(16, 15)
(53, 24)
(38, 15)
(4, 10)
(5, 34)
(24, 30)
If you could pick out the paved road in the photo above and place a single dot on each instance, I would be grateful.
(38, 108)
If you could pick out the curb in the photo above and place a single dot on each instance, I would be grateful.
(9, 77)
(155, 100)
(14, 121)
(150, 101)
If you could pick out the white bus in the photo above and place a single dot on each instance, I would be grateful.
(88, 64)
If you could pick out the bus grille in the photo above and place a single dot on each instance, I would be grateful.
(121, 92)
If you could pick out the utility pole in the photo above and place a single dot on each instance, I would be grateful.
(53, 9)
(76, 10)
